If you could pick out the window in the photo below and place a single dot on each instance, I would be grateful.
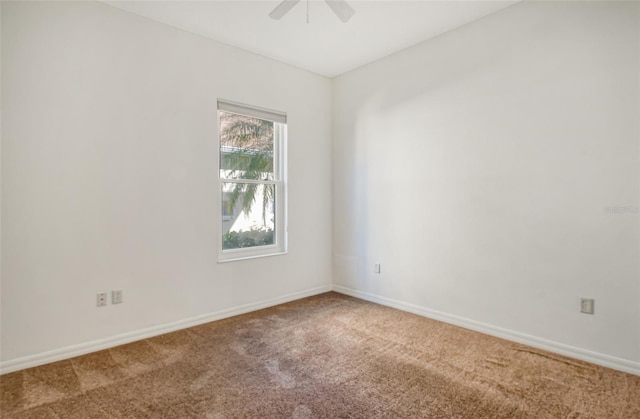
(252, 162)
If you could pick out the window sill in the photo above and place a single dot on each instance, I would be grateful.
(233, 257)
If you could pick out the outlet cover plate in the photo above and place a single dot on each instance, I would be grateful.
(101, 299)
(587, 305)
(116, 297)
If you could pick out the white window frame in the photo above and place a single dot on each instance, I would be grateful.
(279, 174)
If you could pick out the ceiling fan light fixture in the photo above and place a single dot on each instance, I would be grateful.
(341, 8)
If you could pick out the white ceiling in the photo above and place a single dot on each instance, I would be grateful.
(325, 45)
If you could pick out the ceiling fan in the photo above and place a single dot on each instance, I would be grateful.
(340, 7)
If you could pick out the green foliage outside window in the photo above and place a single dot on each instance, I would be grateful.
(251, 238)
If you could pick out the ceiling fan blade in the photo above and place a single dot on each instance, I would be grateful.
(342, 9)
(282, 9)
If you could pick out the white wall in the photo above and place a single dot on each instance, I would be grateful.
(476, 168)
(109, 178)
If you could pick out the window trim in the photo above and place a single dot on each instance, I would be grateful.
(252, 111)
(280, 177)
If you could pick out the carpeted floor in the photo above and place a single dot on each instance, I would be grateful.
(327, 356)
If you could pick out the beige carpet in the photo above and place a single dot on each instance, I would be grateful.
(327, 356)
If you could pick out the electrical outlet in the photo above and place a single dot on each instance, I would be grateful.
(116, 297)
(101, 299)
(587, 305)
(376, 268)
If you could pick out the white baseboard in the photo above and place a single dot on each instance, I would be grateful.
(620, 364)
(121, 339)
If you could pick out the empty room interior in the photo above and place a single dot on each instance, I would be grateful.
(302, 209)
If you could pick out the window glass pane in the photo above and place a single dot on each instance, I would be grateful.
(246, 147)
(248, 215)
